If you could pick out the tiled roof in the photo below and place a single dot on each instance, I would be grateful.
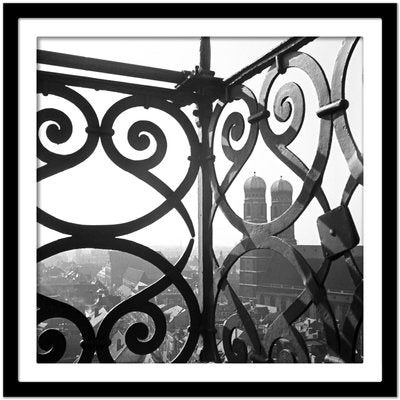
(133, 276)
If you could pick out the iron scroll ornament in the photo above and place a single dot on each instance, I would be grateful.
(311, 177)
(137, 334)
(354, 159)
(59, 130)
(341, 344)
(139, 169)
(255, 234)
(289, 106)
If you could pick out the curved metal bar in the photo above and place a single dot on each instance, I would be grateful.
(172, 201)
(236, 350)
(279, 330)
(140, 302)
(54, 342)
(283, 110)
(352, 325)
(233, 128)
(248, 326)
(140, 170)
(354, 317)
(346, 141)
(351, 186)
(353, 269)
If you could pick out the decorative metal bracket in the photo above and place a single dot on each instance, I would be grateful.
(337, 231)
(203, 83)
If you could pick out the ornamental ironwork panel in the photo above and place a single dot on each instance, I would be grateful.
(280, 341)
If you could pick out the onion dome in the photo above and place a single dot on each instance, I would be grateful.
(254, 188)
(255, 184)
(281, 186)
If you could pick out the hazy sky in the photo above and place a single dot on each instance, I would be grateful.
(98, 192)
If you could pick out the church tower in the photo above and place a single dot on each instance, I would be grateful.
(281, 200)
(255, 207)
(252, 264)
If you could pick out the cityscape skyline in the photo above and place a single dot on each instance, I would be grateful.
(265, 281)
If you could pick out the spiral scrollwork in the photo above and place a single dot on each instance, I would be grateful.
(280, 332)
(138, 137)
(137, 333)
(233, 129)
(235, 349)
(141, 168)
(285, 352)
(54, 343)
(283, 110)
(139, 141)
(289, 102)
(60, 130)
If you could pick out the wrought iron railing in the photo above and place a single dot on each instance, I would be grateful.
(210, 95)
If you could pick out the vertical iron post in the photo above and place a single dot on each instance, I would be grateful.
(205, 54)
(206, 263)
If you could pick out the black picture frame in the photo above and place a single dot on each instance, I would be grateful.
(12, 386)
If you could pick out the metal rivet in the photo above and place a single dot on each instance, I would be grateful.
(332, 232)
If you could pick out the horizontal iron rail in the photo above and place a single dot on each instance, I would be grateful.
(109, 67)
(115, 86)
(292, 44)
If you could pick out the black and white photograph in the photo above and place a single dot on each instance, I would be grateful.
(191, 213)
(195, 194)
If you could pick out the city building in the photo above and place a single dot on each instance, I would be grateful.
(267, 278)
(129, 270)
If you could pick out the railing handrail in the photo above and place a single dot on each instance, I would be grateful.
(110, 67)
(291, 44)
(114, 86)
